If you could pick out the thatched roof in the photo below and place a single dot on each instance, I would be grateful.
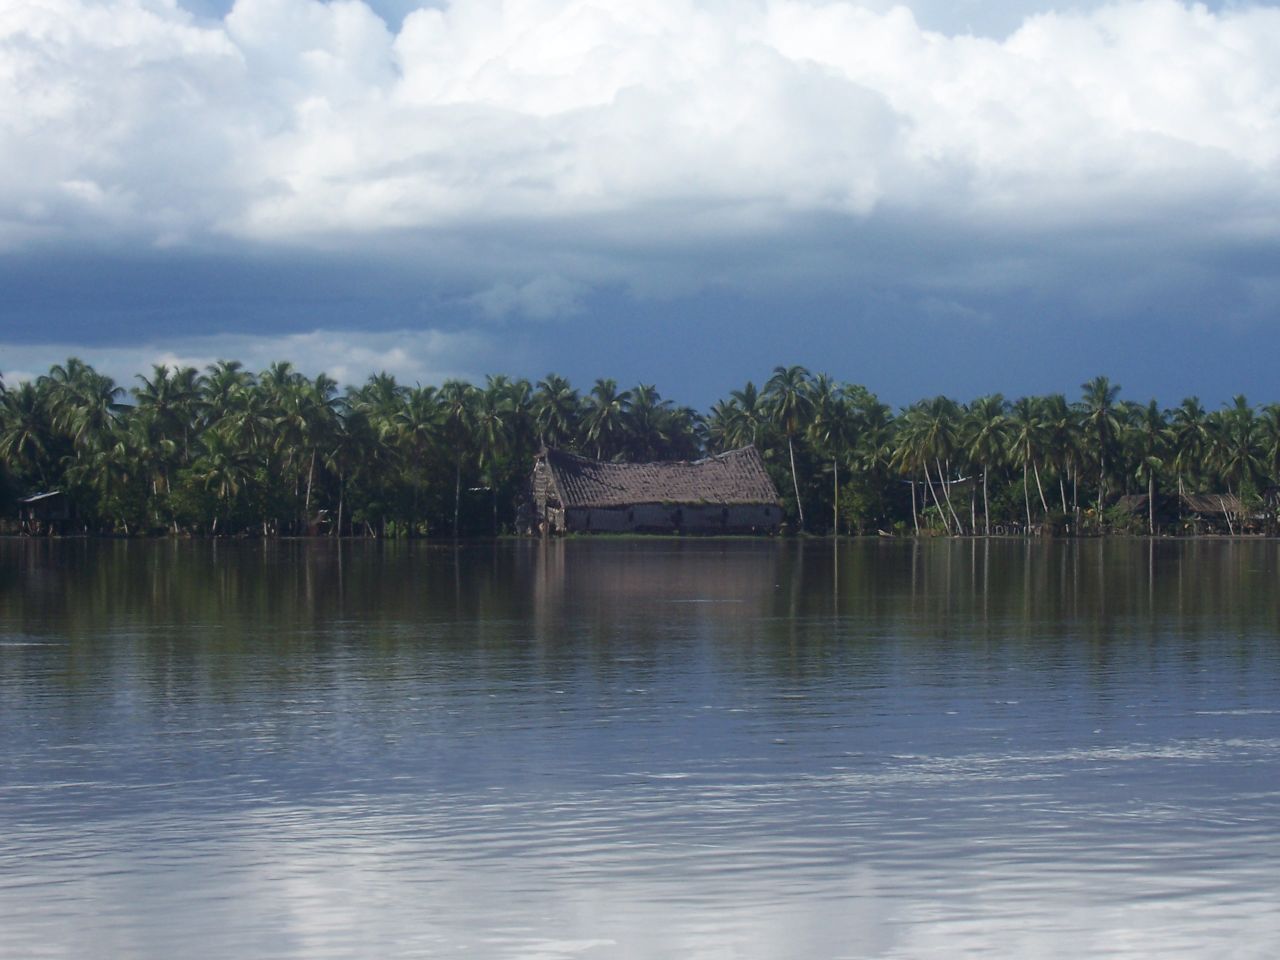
(41, 497)
(1211, 503)
(736, 477)
(1205, 503)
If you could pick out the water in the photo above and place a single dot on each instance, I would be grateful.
(640, 749)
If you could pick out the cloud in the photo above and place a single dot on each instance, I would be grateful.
(753, 180)
(297, 121)
(542, 298)
(421, 356)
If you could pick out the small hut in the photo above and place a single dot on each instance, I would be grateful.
(1192, 512)
(728, 493)
(1217, 513)
(45, 513)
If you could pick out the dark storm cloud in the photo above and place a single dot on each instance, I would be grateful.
(674, 190)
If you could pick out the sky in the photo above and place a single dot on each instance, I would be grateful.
(929, 197)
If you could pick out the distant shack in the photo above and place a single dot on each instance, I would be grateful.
(1194, 512)
(43, 513)
(727, 493)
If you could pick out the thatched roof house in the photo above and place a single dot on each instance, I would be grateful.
(730, 492)
(1202, 512)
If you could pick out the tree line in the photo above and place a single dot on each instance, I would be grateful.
(230, 452)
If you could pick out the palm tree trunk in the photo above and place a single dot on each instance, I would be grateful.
(1036, 468)
(413, 513)
(915, 514)
(795, 481)
(946, 492)
(1151, 500)
(342, 497)
(1102, 488)
(835, 505)
(986, 509)
(305, 525)
(311, 473)
(1026, 496)
(457, 496)
(928, 479)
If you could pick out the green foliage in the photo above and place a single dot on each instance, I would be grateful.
(279, 453)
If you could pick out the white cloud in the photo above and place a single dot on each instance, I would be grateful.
(542, 298)
(633, 126)
(349, 356)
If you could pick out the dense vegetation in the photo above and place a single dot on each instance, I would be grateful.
(230, 452)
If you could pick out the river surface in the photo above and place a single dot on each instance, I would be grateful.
(640, 749)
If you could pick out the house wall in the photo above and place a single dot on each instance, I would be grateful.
(657, 518)
(546, 505)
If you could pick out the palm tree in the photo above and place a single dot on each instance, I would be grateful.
(1188, 438)
(1026, 440)
(455, 405)
(1150, 438)
(986, 442)
(169, 403)
(1234, 445)
(911, 454)
(224, 468)
(223, 379)
(606, 415)
(1102, 424)
(416, 428)
(751, 415)
(491, 425)
(1269, 441)
(939, 425)
(25, 430)
(1061, 442)
(353, 448)
(557, 412)
(303, 417)
(379, 399)
(832, 430)
(84, 403)
(788, 400)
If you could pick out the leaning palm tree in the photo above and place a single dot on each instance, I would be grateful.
(788, 399)
(910, 457)
(939, 426)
